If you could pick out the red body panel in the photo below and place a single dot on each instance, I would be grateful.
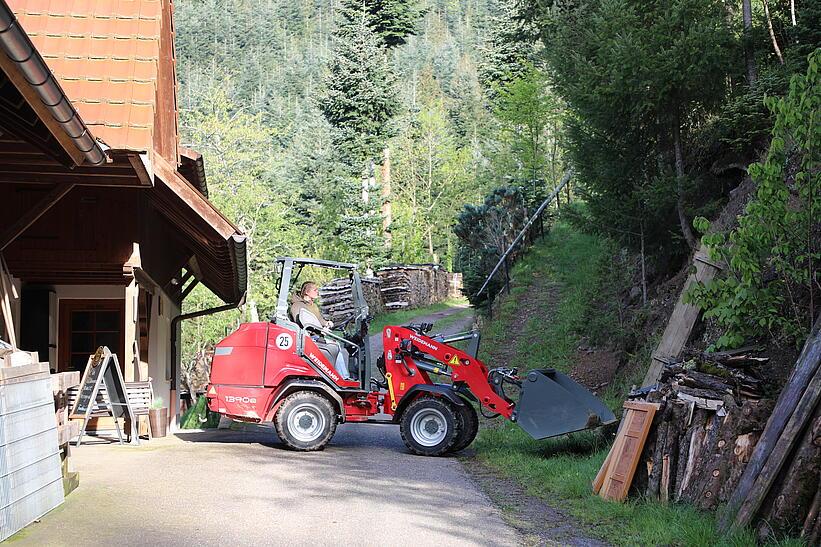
(251, 364)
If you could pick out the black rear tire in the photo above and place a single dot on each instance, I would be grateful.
(468, 426)
(429, 426)
(305, 421)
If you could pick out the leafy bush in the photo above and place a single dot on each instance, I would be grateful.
(772, 256)
(485, 231)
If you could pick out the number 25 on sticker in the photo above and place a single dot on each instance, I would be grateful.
(284, 341)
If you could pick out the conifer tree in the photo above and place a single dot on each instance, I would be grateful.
(359, 103)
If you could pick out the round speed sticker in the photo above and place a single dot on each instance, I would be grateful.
(284, 341)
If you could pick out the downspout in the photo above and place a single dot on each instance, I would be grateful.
(175, 323)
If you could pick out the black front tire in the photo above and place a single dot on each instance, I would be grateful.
(306, 421)
(468, 426)
(429, 426)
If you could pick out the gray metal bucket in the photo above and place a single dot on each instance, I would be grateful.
(552, 404)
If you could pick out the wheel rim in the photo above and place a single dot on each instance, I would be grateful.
(306, 422)
(429, 427)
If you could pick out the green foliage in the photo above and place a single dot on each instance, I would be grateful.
(359, 99)
(199, 416)
(485, 231)
(393, 20)
(430, 184)
(530, 123)
(773, 254)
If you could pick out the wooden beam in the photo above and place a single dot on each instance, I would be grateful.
(32, 215)
(190, 195)
(683, 319)
(796, 395)
(71, 177)
(189, 288)
(30, 95)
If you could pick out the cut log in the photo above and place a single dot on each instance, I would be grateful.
(789, 502)
(805, 370)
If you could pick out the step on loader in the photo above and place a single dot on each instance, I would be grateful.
(283, 371)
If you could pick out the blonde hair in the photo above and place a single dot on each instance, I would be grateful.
(306, 287)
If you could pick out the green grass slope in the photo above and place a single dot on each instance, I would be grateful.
(540, 325)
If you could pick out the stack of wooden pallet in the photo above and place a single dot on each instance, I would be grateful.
(67, 429)
(31, 482)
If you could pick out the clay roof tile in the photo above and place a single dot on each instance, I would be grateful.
(105, 54)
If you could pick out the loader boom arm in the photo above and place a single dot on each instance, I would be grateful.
(408, 357)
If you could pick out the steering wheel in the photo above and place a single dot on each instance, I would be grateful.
(345, 322)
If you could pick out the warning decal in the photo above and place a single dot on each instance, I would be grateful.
(454, 361)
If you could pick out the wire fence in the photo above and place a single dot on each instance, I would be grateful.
(535, 222)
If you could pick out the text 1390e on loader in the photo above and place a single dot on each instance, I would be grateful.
(283, 373)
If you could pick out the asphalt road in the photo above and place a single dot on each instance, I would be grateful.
(242, 487)
(224, 487)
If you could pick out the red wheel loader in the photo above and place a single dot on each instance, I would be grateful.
(282, 372)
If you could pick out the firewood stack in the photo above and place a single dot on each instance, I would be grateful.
(336, 299)
(712, 414)
(413, 286)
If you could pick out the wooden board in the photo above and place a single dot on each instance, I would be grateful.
(627, 450)
(683, 319)
(16, 374)
(63, 381)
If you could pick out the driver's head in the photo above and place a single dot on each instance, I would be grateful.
(309, 290)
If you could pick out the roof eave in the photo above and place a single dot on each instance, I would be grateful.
(75, 138)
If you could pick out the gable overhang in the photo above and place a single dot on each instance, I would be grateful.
(218, 248)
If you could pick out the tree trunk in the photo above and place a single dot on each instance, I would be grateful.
(749, 54)
(386, 197)
(643, 270)
(686, 231)
(772, 33)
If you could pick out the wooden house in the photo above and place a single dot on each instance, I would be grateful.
(105, 223)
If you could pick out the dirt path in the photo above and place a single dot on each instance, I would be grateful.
(537, 300)
(537, 522)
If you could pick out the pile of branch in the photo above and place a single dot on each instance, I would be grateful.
(712, 415)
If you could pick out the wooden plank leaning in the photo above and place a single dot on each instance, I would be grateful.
(793, 408)
(683, 319)
(620, 465)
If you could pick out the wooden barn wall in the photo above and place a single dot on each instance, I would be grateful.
(85, 237)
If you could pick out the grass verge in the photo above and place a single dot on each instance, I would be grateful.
(565, 265)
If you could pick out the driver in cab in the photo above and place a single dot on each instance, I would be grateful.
(305, 311)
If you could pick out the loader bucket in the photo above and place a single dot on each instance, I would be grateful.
(552, 404)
